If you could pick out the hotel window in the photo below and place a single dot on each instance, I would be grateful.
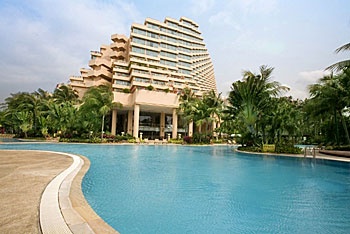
(153, 35)
(167, 54)
(183, 56)
(142, 80)
(168, 63)
(139, 31)
(183, 71)
(172, 31)
(168, 46)
(185, 64)
(138, 40)
(138, 50)
(122, 82)
(154, 26)
(152, 44)
(172, 24)
(172, 39)
(122, 74)
(185, 50)
(152, 53)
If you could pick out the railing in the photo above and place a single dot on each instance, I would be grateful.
(311, 150)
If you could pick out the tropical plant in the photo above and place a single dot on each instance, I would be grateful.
(249, 100)
(331, 97)
(98, 101)
(63, 117)
(342, 65)
(35, 103)
(25, 121)
(65, 93)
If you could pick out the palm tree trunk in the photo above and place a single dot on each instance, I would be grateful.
(345, 128)
(336, 125)
(103, 123)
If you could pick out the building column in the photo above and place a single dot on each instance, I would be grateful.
(162, 124)
(136, 120)
(190, 129)
(129, 122)
(114, 121)
(174, 136)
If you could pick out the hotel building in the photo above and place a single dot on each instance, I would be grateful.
(147, 72)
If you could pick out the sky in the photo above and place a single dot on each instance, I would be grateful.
(44, 42)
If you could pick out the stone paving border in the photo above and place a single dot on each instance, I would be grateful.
(51, 218)
(64, 211)
(318, 155)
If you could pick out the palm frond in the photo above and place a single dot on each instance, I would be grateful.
(342, 48)
(339, 66)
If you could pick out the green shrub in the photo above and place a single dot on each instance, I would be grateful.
(150, 87)
(218, 141)
(132, 140)
(287, 149)
(176, 141)
(340, 148)
(201, 138)
(126, 90)
(250, 148)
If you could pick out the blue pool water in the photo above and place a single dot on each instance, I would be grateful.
(175, 189)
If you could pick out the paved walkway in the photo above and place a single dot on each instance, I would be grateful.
(23, 177)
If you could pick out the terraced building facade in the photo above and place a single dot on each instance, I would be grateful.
(148, 71)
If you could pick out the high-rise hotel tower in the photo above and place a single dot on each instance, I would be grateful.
(147, 72)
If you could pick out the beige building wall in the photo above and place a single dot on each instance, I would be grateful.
(148, 70)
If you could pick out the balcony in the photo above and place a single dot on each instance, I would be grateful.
(101, 73)
(119, 38)
(120, 55)
(100, 62)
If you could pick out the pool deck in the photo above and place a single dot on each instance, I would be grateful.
(41, 193)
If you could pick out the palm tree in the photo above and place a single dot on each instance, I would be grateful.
(99, 100)
(63, 117)
(24, 118)
(65, 93)
(342, 64)
(331, 95)
(187, 105)
(215, 105)
(250, 98)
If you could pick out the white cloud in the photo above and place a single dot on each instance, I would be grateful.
(299, 88)
(202, 6)
(256, 6)
(224, 18)
(44, 42)
(311, 77)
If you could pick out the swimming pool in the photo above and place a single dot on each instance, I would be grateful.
(175, 189)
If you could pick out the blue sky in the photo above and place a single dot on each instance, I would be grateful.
(43, 42)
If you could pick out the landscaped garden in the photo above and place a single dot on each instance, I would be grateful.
(255, 114)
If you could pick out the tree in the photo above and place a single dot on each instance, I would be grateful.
(98, 101)
(24, 118)
(331, 96)
(342, 65)
(249, 99)
(65, 93)
(63, 117)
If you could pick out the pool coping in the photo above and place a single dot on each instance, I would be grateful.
(63, 207)
(318, 155)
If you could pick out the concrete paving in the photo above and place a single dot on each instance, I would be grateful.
(23, 178)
